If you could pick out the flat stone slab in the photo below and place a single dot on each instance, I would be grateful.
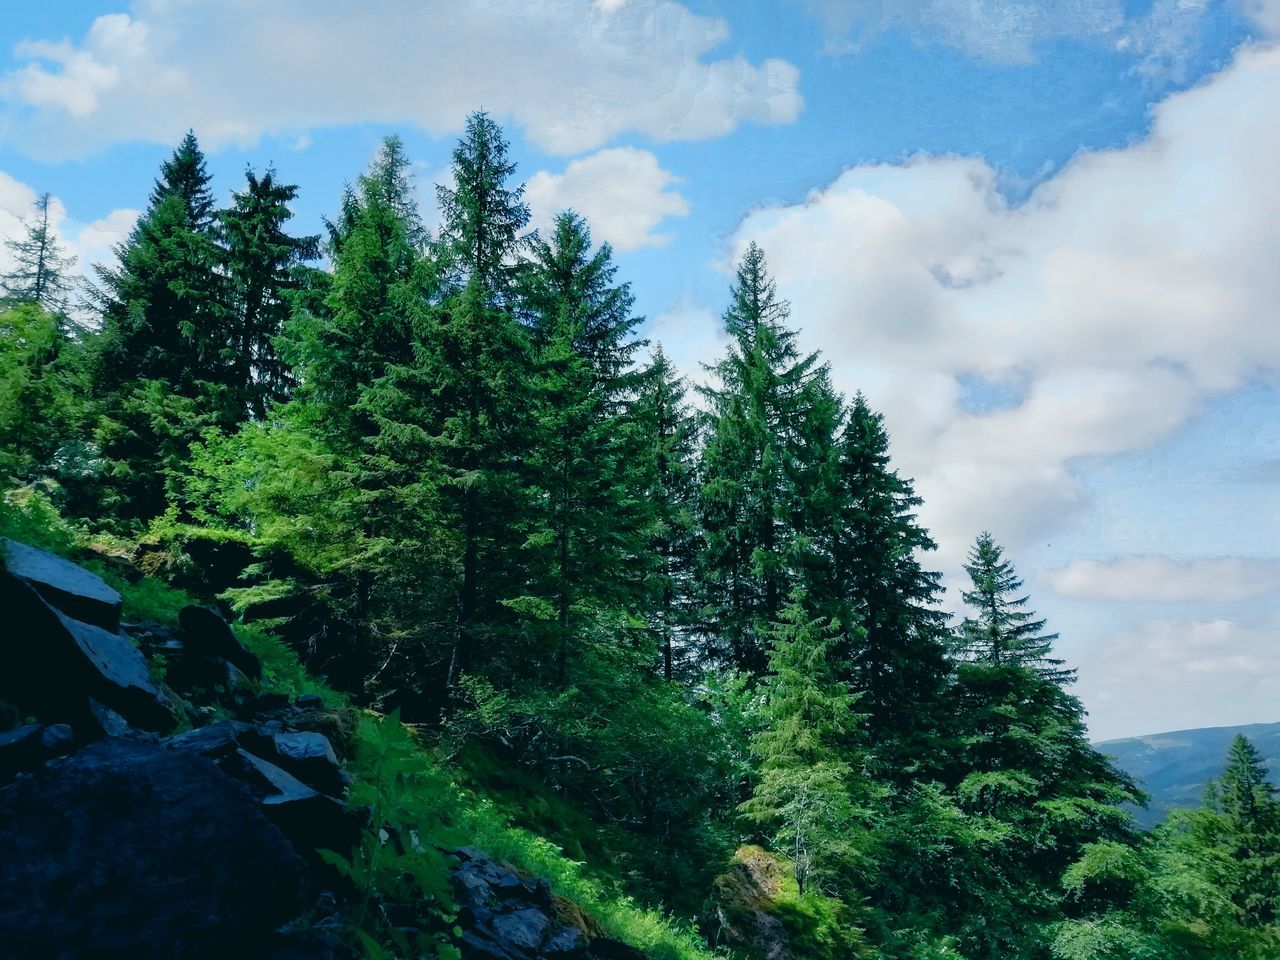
(75, 591)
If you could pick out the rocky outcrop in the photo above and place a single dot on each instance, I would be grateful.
(120, 839)
(507, 915)
(742, 913)
(80, 594)
(53, 665)
(128, 850)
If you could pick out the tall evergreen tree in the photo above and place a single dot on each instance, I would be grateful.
(1247, 831)
(668, 435)
(812, 794)
(477, 359)
(766, 391)
(262, 263)
(898, 662)
(39, 273)
(587, 530)
(1002, 631)
(158, 363)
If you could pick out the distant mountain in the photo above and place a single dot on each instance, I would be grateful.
(1174, 767)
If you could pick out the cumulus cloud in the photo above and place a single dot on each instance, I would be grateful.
(1125, 291)
(1181, 674)
(1164, 580)
(623, 192)
(573, 73)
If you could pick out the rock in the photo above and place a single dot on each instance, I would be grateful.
(304, 945)
(51, 665)
(75, 591)
(57, 739)
(309, 701)
(221, 740)
(308, 818)
(206, 634)
(522, 928)
(105, 722)
(309, 757)
(128, 851)
(21, 749)
(476, 946)
(742, 912)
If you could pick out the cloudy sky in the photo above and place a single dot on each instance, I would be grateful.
(1043, 238)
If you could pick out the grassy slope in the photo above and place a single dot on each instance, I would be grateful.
(461, 816)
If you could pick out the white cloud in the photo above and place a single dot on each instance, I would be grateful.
(1264, 14)
(1182, 674)
(1164, 580)
(1002, 30)
(1129, 288)
(623, 192)
(1161, 39)
(573, 73)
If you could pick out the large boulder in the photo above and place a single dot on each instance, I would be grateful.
(128, 851)
(51, 665)
(75, 591)
(26, 748)
(205, 634)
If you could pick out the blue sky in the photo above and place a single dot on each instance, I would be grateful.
(1043, 238)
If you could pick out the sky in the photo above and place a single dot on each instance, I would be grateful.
(1042, 238)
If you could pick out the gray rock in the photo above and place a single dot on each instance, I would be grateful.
(206, 634)
(309, 757)
(128, 851)
(75, 591)
(21, 749)
(50, 665)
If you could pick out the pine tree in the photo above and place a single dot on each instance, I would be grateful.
(587, 531)
(40, 271)
(668, 433)
(158, 363)
(898, 662)
(1248, 832)
(1003, 632)
(477, 360)
(811, 793)
(748, 497)
(262, 262)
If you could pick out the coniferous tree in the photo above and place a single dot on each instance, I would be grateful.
(1003, 632)
(668, 434)
(1022, 767)
(262, 263)
(586, 532)
(157, 364)
(898, 662)
(477, 359)
(811, 794)
(748, 497)
(39, 273)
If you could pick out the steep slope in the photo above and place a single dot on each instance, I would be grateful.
(1174, 767)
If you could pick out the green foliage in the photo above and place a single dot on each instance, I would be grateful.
(39, 386)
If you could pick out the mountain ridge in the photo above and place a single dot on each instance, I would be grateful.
(1174, 766)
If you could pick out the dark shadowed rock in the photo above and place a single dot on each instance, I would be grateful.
(309, 756)
(75, 591)
(51, 664)
(307, 817)
(128, 851)
(21, 750)
(206, 634)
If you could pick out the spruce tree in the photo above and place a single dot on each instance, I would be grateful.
(748, 497)
(39, 273)
(477, 360)
(1002, 631)
(668, 436)
(811, 793)
(263, 265)
(586, 530)
(158, 363)
(898, 661)
(1247, 831)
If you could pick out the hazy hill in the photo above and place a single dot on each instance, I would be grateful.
(1173, 767)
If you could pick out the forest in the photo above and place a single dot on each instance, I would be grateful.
(687, 636)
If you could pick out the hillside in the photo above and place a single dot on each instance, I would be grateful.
(1173, 767)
